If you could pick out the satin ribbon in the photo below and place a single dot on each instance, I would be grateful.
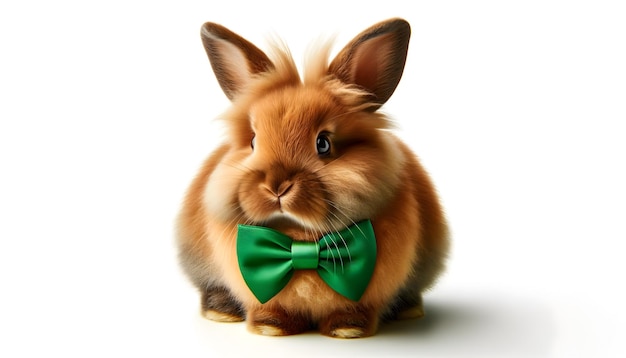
(344, 260)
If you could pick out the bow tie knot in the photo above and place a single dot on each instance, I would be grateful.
(305, 255)
(344, 260)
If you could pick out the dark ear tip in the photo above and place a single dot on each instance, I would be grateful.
(208, 27)
(215, 31)
(401, 26)
(396, 24)
(400, 22)
(405, 24)
(207, 30)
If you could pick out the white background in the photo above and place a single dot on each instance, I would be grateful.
(516, 108)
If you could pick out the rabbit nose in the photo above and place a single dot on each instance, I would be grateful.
(279, 181)
(280, 188)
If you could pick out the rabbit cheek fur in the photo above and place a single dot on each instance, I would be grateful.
(269, 173)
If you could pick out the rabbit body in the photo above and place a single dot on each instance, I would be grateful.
(308, 157)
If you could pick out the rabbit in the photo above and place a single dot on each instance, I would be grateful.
(306, 157)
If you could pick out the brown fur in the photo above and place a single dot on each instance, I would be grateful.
(283, 183)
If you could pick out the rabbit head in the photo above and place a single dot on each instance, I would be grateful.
(311, 151)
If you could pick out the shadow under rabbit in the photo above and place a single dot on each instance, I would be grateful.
(497, 326)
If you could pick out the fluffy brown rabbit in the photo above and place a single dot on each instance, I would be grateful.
(308, 157)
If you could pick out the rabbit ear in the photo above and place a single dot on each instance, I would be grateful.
(374, 60)
(233, 58)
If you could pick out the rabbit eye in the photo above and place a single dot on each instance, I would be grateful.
(323, 144)
(253, 142)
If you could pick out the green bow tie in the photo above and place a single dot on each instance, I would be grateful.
(344, 260)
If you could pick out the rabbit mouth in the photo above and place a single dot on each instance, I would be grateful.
(289, 207)
(303, 222)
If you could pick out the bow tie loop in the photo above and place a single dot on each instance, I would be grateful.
(344, 260)
(305, 255)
